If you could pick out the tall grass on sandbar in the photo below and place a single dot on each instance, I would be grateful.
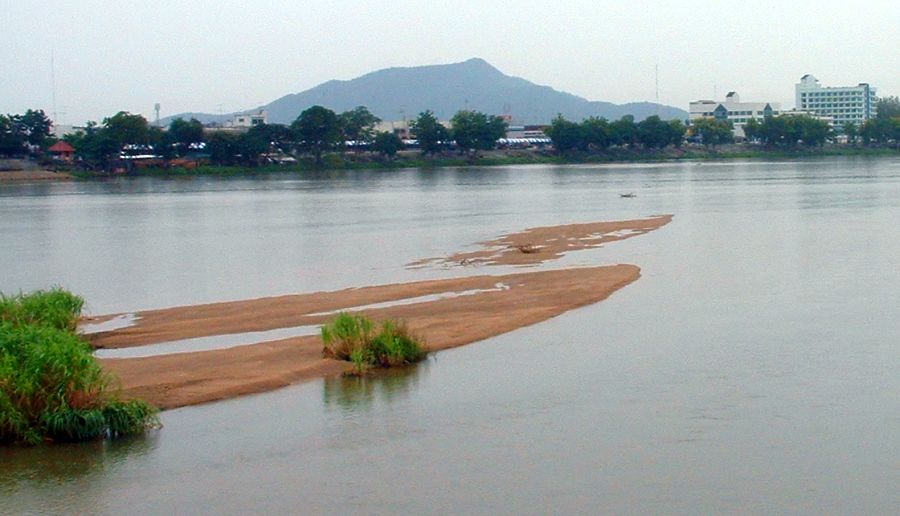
(352, 338)
(51, 387)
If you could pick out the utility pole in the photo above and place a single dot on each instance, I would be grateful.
(53, 84)
(657, 89)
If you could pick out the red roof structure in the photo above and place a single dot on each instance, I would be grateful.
(61, 147)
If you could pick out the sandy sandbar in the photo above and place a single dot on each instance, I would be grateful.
(174, 380)
(536, 245)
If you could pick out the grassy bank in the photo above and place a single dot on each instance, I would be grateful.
(352, 338)
(51, 387)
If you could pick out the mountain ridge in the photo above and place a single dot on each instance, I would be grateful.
(402, 92)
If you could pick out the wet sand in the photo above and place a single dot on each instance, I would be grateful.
(175, 380)
(33, 175)
(537, 245)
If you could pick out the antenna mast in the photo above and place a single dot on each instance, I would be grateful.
(53, 84)
(657, 89)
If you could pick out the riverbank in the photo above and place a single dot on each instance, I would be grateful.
(12, 176)
(507, 157)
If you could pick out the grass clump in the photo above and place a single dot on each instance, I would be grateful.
(56, 308)
(352, 338)
(51, 387)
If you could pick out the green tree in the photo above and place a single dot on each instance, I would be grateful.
(677, 131)
(752, 129)
(358, 125)
(790, 130)
(878, 130)
(653, 133)
(475, 131)
(183, 133)
(813, 133)
(888, 108)
(387, 144)
(624, 131)
(596, 134)
(128, 130)
(277, 137)
(163, 143)
(566, 135)
(317, 130)
(430, 133)
(34, 126)
(851, 132)
(94, 146)
(223, 148)
(12, 142)
(712, 132)
(251, 145)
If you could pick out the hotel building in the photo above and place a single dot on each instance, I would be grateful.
(854, 104)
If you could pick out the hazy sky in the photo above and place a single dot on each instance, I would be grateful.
(231, 55)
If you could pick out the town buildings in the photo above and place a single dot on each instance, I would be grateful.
(853, 104)
(734, 111)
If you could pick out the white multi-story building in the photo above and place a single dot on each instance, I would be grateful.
(734, 111)
(247, 120)
(854, 104)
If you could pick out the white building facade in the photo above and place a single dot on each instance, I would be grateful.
(247, 120)
(853, 104)
(734, 111)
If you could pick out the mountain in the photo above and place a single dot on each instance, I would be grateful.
(395, 93)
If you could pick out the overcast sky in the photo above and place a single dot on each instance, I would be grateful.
(229, 55)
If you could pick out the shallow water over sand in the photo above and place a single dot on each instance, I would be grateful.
(753, 367)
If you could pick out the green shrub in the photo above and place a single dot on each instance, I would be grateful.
(346, 334)
(394, 346)
(51, 387)
(350, 337)
(56, 308)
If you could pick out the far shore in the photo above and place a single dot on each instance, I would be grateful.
(412, 159)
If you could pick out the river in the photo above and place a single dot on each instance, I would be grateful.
(753, 368)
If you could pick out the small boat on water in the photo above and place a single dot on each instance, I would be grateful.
(627, 195)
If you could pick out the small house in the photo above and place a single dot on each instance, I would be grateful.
(62, 151)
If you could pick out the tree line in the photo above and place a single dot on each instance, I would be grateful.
(319, 130)
(885, 127)
(598, 134)
(314, 132)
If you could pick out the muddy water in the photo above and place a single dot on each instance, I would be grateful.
(753, 368)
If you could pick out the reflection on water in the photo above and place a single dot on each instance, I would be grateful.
(383, 386)
(56, 463)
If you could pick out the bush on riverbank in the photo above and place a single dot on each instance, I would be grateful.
(352, 338)
(56, 308)
(51, 387)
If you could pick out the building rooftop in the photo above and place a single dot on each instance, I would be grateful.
(61, 146)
